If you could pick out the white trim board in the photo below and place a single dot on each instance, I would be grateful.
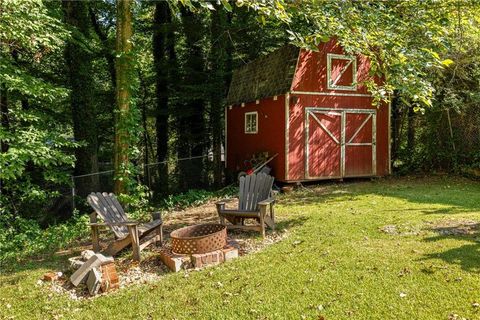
(339, 94)
(287, 133)
(332, 83)
(255, 113)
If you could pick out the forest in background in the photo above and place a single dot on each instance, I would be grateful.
(61, 72)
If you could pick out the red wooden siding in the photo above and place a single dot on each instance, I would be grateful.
(270, 136)
(297, 148)
(359, 144)
(324, 139)
(311, 73)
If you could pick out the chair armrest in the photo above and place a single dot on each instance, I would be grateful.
(112, 224)
(221, 204)
(93, 217)
(267, 202)
(157, 215)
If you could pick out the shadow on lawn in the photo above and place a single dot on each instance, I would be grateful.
(467, 256)
(47, 262)
(456, 194)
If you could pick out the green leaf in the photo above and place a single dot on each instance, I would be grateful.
(447, 62)
(227, 5)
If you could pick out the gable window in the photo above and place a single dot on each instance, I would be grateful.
(251, 122)
(341, 72)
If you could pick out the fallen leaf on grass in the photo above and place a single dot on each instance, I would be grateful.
(296, 242)
(405, 271)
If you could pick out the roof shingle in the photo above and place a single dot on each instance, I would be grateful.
(264, 77)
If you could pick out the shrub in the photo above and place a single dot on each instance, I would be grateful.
(20, 237)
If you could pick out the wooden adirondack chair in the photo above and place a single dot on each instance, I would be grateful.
(255, 196)
(126, 232)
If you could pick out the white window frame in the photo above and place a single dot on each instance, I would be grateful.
(353, 62)
(246, 122)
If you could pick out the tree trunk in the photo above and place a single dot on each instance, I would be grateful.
(396, 124)
(192, 136)
(124, 71)
(411, 134)
(79, 66)
(146, 154)
(106, 50)
(4, 121)
(161, 28)
(4, 124)
(219, 62)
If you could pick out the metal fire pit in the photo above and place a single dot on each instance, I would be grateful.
(201, 238)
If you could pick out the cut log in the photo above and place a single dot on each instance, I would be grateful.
(81, 274)
(94, 281)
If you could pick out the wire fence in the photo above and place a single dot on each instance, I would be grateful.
(162, 178)
(443, 139)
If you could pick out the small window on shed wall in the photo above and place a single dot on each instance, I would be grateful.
(251, 122)
(341, 72)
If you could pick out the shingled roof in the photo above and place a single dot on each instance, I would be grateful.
(265, 76)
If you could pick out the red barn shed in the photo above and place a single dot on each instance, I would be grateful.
(313, 110)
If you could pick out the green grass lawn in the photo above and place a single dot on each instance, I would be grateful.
(336, 263)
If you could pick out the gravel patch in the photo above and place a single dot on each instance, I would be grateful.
(151, 269)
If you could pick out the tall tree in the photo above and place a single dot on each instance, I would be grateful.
(79, 60)
(33, 125)
(123, 112)
(160, 41)
(219, 73)
(191, 128)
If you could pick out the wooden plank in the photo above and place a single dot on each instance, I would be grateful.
(263, 212)
(116, 214)
(116, 210)
(117, 245)
(104, 205)
(243, 227)
(268, 188)
(95, 242)
(256, 191)
(251, 187)
(109, 216)
(240, 213)
(96, 204)
(118, 206)
(101, 206)
(133, 231)
(241, 192)
(95, 261)
(148, 242)
(257, 197)
(246, 189)
(159, 231)
(149, 226)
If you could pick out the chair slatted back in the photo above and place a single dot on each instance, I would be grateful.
(254, 189)
(110, 210)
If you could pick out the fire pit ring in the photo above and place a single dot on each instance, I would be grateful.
(200, 238)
